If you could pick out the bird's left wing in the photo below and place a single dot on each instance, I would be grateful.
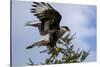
(49, 17)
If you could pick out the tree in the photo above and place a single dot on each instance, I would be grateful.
(69, 55)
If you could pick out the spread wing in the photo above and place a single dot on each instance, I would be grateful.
(49, 17)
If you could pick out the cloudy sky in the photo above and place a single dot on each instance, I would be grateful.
(81, 19)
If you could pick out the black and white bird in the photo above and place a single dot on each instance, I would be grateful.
(48, 24)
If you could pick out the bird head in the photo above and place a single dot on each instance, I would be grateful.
(65, 28)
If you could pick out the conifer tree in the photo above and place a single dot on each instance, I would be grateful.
(69, 55)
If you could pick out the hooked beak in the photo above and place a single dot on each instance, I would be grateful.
(68, 29)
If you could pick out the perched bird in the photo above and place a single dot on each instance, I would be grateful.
(48, 24)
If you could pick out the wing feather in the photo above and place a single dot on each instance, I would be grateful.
(46, 14)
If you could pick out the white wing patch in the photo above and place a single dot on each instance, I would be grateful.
(45, 38)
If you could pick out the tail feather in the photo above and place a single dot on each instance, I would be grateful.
(34, 45)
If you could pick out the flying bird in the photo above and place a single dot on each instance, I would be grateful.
(48, 24)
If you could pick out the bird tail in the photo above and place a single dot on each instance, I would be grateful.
(34, 45)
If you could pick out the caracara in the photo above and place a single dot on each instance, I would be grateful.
(48, 24)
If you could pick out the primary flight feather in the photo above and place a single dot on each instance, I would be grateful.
(48, 16)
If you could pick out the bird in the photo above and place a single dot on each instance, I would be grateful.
(48, 24)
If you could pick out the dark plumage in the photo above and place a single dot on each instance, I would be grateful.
(49, 17)
(48, 24)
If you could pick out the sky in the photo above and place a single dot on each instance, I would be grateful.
(81, 19)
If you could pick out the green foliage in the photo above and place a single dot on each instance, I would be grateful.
(69, 55)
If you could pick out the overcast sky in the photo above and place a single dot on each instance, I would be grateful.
(81, 19)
